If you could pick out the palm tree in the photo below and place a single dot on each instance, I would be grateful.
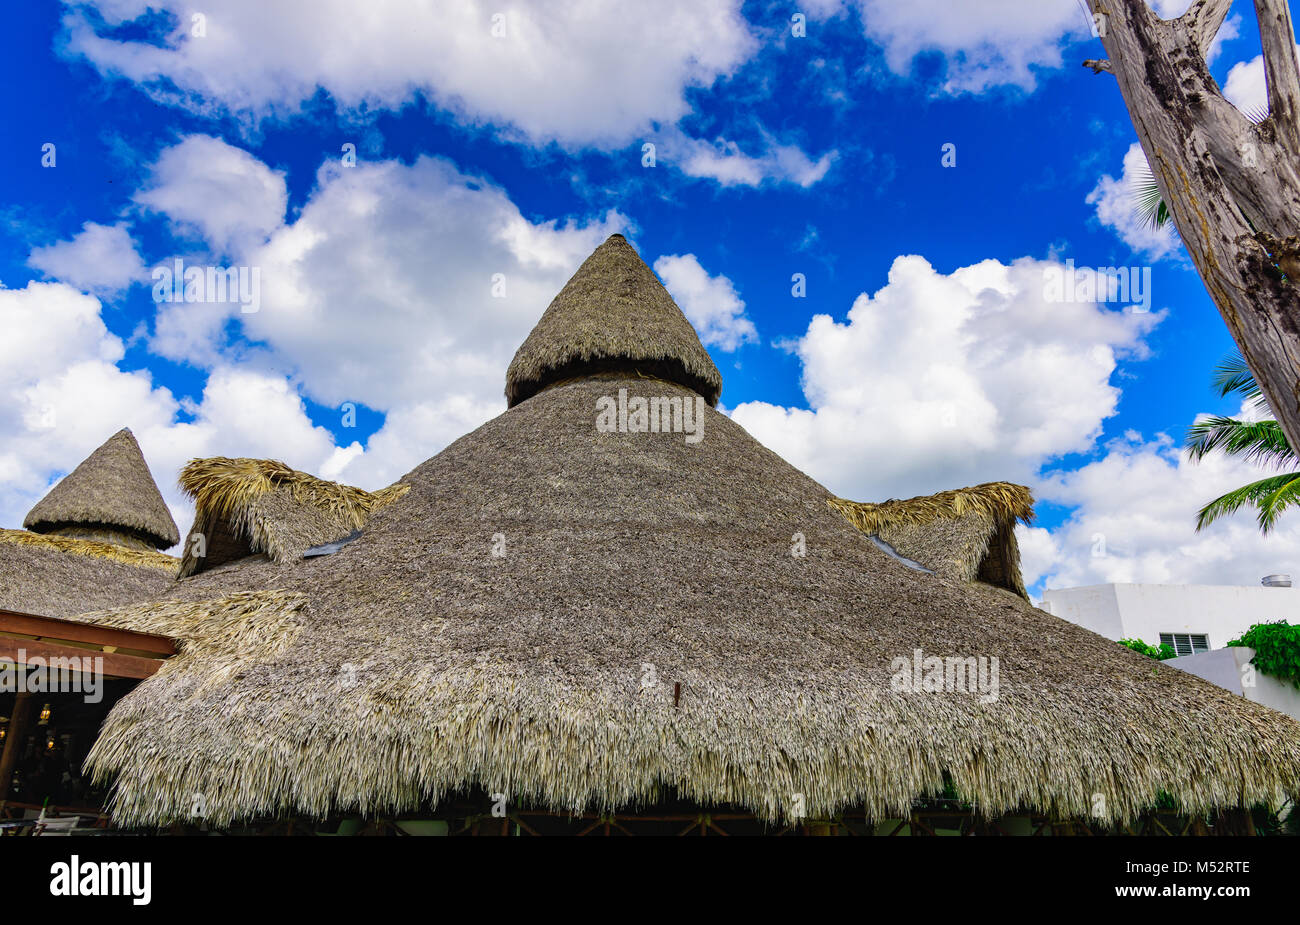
(1260, 442)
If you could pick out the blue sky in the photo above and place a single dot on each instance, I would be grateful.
(220, 142)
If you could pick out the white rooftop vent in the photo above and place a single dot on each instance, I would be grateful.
(1276, 581)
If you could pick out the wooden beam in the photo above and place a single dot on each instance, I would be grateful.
(15, 737)
(27, 624)
(114, 665)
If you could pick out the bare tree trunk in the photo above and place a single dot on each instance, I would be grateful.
(1231, 185)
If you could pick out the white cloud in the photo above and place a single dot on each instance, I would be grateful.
(403, 288)
(725, 162)
(1135, 522)
(394, 285)
(215, 190)
(59, 365)
(59, 375)
(987, 44)
(100, 258)
(600, 76)
(710, 302)
(411, 434)
(577, 73)
(939, 381)
(1245, 87)
(1116, 202)
(398, 285)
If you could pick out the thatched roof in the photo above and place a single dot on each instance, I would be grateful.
(112, 488)
(967, 535)
(589, 620)
(614, 314)
(59, 576)
(249, 506)
(523, 673)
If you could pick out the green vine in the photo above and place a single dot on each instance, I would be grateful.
(1277, 649)
(1160, 653)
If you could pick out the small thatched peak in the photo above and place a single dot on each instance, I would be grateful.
(111, 493)
(968, 534)
(613, 315)
(243, 507)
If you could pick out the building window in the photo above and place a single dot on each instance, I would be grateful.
(1185, 643)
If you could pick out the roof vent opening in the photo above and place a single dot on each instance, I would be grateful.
(1276, 581)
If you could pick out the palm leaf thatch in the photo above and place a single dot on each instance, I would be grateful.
(967, 534)
(217, 640)
(248, 506)
(111, 489)
(524, 672)
(613, 314)
(586, 620)
(60, 576)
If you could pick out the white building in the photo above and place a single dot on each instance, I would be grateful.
(1197, 621)
(1191, 618)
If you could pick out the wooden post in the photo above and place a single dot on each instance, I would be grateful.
(15, 737)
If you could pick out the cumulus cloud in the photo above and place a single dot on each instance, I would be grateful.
(100, 258)
(58, 371)
(1245, 87)
(938, 381)
(411, 434)
(395, 285)
(600, 76)
(1116, 202)
(1134, 519)
(984, 45)
(400, 285)
(710, 302)
(725, 162)
(552, 70)
(60, 367)
(216, 191)
(405, 288)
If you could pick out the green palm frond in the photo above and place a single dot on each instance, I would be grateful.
(1259, 442)
(1233, 376)
(1150, 204)
(1270, 497)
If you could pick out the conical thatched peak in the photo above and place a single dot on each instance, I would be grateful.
(613, 315)
(113, 491)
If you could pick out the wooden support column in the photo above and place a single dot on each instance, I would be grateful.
(15, 737)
